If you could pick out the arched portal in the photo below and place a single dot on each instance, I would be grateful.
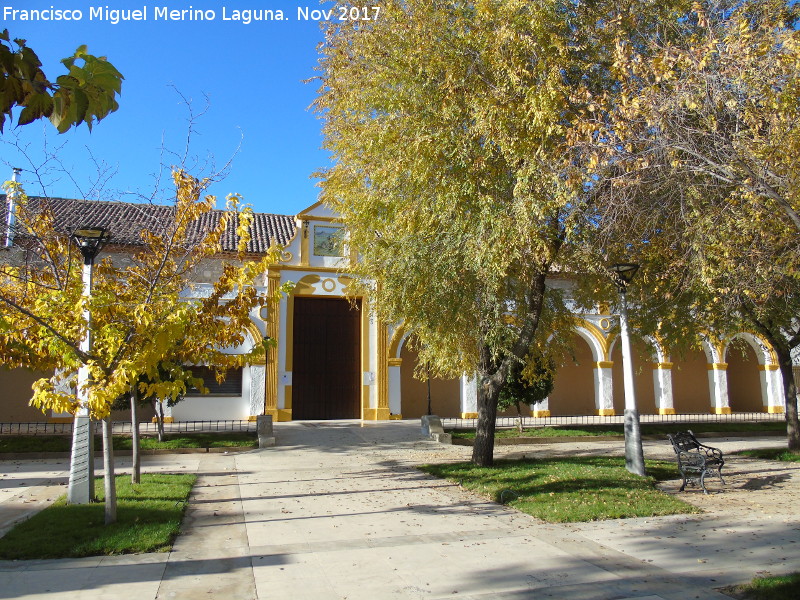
(690, 391)
(445, 393)
(573, 388)
(642, 378)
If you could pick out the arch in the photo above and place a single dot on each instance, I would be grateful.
(745, 387)
(690, 381)
(399, 337)
(593, 336)
(574, 384)
(763, 350)
(445, 393)
(643, 357)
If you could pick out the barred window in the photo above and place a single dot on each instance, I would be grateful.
(232, 386)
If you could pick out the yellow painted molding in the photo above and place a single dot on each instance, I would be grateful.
(604, 364)
(722, 410)
(383, 368)
(606, 412)
(376, 414)
(395, 417)
(597, 333)
(663, 365)
(717, 367)
(279, 414)
(397, 337)
(304, 244)
(666, 411)
(775, 410)
(604, 308)
(469, 415)
(287, 397)
(768, 367)
(166, 420)
(395, 362)
(605, 324)
(252, 418)
(307, 268)
(64, 420)
(540, 414)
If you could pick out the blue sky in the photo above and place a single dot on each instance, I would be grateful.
(252, 74)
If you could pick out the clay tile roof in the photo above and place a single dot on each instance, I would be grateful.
(125, 221)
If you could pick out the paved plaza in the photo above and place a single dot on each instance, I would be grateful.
(337, 511)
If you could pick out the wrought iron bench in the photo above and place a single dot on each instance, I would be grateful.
(695, 460)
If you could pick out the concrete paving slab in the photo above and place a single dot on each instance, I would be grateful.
(336, 510)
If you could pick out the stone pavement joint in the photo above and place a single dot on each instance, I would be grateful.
(337, 511)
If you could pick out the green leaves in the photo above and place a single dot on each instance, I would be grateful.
(87, 93)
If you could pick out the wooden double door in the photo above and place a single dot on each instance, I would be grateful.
(326, 371)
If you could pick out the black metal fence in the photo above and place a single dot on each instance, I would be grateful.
(123, 427)
(582, 420)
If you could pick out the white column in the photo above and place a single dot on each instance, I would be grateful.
(258, 378)
(718, 387)
(469, 396)
(772, 388)
(395, 387)
(662, 384)
(603, 388)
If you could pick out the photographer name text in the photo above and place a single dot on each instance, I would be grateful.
(245, 16)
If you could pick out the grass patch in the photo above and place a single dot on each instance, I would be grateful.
(148, 520)
(605, 430)
(566, 490)
(779, 454)
(63, 443)
(786, 587)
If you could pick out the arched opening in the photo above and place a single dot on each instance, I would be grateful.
(690, 391)
(573, 387)
(642, 379)
(744, 382)
(445, 393)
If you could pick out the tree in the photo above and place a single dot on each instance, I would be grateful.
(451, 127)
(527, 384)
(704, 147)
(87, 92)
(140, 312)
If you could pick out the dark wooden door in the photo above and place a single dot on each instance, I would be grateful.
(326, 373)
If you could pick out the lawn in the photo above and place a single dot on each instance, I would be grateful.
(785, 587)
(564, 490)
(779, 454)
(63, 443)
(617, 430)
(148, 520)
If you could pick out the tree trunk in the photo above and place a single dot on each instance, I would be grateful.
(488, 395)
(519, 419)
(136, 466)
(159, 408)
(110, 482)
(790, 398)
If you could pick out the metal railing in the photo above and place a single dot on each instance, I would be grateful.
(582, 420)
(125, 427)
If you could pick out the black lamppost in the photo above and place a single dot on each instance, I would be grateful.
(634, 455)
(81, 472)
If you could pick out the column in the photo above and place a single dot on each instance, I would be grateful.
(718, 386)
(603, 389)
(662, 384)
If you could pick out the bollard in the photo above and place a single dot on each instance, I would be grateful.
(266, 436)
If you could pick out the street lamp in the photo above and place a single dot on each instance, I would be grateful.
(634, 455)
(81, 472)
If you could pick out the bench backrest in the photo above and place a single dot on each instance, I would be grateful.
(684, 441)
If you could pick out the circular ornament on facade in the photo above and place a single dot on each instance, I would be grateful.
(605, 324)
(286, 256)
(328, 285)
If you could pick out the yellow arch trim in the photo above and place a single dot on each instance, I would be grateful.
(597, 334)
(394, 344)
(256, 335)
(773, 356)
